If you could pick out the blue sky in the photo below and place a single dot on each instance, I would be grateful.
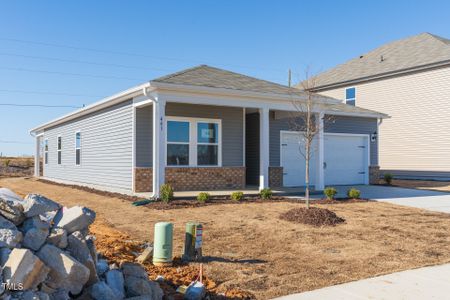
(85, 50)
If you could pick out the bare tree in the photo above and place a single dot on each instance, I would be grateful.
(304, 120)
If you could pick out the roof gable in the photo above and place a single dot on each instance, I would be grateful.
(409, 53)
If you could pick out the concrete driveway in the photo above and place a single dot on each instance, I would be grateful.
(431, 200)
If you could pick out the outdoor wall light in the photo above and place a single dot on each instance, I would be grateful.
(373, 136)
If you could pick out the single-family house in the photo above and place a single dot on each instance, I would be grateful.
(205, 128)
(409, 80)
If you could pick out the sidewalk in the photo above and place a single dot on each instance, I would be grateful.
(424, 283)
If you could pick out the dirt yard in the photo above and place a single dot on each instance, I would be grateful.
(443, 186)
(247, 246)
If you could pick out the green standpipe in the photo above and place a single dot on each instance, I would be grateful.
(162, 245)
(192, 250)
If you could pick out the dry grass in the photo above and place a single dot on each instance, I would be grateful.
(443, 186)
(252, 249)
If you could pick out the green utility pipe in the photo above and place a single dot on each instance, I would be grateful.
(162, 245)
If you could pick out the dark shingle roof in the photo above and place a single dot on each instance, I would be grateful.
(409, 53)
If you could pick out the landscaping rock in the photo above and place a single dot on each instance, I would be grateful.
(11, 206)
(4, 255)
(35, 238)
(133, 269)
(36, 205)
(77, 247)
(65, 272)
(90, 239)
(144, 297)
(136, 286)
(10, 238)
(23, 267)
(115, 280)
(58, 238)
(74, 219)
(101, 291)
(60, 294)
(35, 222)
(7, 224)
(102, 267)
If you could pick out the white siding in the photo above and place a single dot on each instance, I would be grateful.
(106, 149)
(416, 138)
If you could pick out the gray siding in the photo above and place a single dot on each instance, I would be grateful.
(106, 148)
(232, 127)
(144, 132)
(339, 124)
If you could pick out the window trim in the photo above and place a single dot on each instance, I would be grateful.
(350, 99)
(46, 151)
(59, 150)
(193, 141)
(77, 148)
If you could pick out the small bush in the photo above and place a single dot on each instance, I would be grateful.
(166, 193)
(388, 178)
(237, 196)
(330, 192)
(203, 197)
(354, 193)
(265, 194)
(7, 162)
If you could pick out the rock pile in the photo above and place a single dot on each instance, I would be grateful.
(46, 253)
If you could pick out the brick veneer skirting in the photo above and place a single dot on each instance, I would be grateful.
(193, 179)
(275, 177)
(374, 174)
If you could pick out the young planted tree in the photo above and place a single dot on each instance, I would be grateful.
(304, 120)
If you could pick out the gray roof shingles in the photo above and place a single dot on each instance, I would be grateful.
(409, 53)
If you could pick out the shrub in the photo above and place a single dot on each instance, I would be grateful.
(166, 193)
(203, 197)
(237, 196)
(265, 194)
(388, 178)
(7, 162)
(330, 192)
(354, 193)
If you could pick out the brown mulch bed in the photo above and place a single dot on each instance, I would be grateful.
(314, 216)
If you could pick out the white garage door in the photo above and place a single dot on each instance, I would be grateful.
(293, 162)
(346, 159)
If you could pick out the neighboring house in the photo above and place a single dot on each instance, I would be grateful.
(205, 129)
(409, 80)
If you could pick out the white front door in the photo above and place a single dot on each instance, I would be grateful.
(346, 159)
(292, 160)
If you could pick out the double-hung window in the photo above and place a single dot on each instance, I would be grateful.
(46, 151)
(59, 149)
(78, 148)
(350, 96)
(193, 142)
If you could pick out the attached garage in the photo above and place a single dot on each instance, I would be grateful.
(346, 159)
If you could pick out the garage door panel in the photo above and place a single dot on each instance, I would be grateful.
(346, 159)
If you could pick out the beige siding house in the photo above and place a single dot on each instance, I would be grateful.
(408, 79)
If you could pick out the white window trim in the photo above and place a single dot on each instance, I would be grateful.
(76, 148)
(350, 99)
(58, 151)
(45, 152)
(193, 141)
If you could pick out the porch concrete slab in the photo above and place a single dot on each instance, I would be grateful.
(424, 283)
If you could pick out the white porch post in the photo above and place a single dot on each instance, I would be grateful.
(320, 174)
(37, 157)
(263, 148)
(159, 145)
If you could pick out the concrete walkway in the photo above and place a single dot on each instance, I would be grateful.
(423, 283)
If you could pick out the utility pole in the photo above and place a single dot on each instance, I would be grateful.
(289, 78)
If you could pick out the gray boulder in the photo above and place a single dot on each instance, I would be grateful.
(115, 280)
(73, 219)
(7, 224)
(58, 238)
(35, 222)
(101, 291)
(10, 238)
(4, 255)
(77, 247)
(133, 269)
(102, 267)
(35, 205)
(136, 286)
(11, 206)
(34, 238)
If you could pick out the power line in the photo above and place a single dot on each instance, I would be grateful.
(70, 74)
(130, 54)
(14, 142)
(47, 93)
(40, 105)
(84, 62)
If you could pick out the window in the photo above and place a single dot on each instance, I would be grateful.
(192, 142)
(350, 96)
(78, 148)
(59, 149)
(178, 138)
(46, 151)
(207, 144)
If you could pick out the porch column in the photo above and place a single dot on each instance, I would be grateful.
(263, 148)
(159, 145)
(37, 157)
(320, 174)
